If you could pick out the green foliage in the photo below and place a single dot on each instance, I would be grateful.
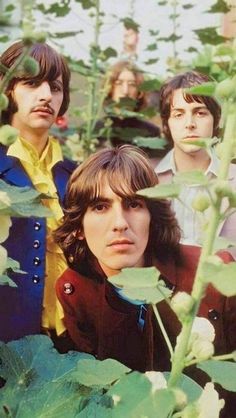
(161, 191)
(193, 177)
(222, 372)
(219, 7)
(222, 277)
(25, 201)
(209, 36)
(141, 284)
(150, 142)
(94, 373)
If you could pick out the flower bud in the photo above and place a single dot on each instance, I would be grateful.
(182, 304)
(180, 399)
(8, 135)
(3, 101)
(201, 202)
(225, 88)
(202, 349)
(31, 66)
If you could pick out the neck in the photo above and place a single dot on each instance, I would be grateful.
(37, 137)
(198, 160)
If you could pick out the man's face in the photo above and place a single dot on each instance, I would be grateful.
(38, 104)
(116, 230)
(125, 86)
(189, 122)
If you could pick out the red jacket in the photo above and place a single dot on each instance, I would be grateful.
(101, 323)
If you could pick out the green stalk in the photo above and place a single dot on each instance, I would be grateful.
(93, 83)
(199, 286)
(164, 333)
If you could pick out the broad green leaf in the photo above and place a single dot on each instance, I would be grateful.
(192, 389)
(58, 9)
(95, 373)
(152, 61)
(136, 277)
(151, 47)
(222, 372)
(150, 142)
(133, 397)
(161, 191)
(95, 410)
(4, 38)
(130, 23)
(202, 142)
(141, 284)
(10, 8)
(205, 89)
(109, 52)
(221, 276)
(193, 177)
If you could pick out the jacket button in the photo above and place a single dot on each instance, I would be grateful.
(68, 288)
(36, 243)
(37, 226)
(36, 261)
(213, 314)
(35, 279)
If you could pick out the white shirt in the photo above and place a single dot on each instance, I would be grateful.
(191, 222)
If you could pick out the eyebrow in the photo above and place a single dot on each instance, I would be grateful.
(195, 108)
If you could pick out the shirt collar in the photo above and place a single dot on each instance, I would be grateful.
(168, 163)
(26, 152)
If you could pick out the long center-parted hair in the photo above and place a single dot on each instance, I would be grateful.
(127, 171)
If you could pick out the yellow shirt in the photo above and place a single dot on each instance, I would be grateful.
(39, 169)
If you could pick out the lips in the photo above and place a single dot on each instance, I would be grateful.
(43, 109)
(120, 242)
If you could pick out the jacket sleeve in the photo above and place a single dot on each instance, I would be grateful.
(72, 295)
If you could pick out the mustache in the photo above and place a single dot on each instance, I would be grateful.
(44, 107)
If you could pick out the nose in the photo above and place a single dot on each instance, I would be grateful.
(125, 89)
(120, 221)
(44, 91)
(190, 121)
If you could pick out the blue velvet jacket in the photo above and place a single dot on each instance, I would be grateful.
(21, 306)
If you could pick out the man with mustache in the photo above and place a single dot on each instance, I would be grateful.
(35, 160)
(187, 118)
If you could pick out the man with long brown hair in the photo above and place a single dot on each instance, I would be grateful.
(109, 226)
(34, 160)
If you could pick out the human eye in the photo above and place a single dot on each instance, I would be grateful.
(99, 207)
(177, 115)
(135, 203)
(30, 83)
(56, 86)
(118, 83)
(202, 112)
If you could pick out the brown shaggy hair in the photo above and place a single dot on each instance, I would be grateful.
(51, 64)
(182, 81)
(127, 171)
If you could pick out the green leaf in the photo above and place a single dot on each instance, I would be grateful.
(150, 85)
(205, 89)
(61, 35)
(219, 7)
(192, 49)
(193, 177)
(130, 24)
(141, 284)
(58, 9)
(86, 4)
(222, 372)
(133, 397)
(222, 277)
(9, 8)
(187, 6)
(6, 281)
(151, 47)
(95, 373)
(14, 265)
(192, 389)
(161, 191)
(109, 53)
(152, 61)
(25, 201)
(150, 142)
(95, 410)
(4, 38)
(209, 36)
(136, 277)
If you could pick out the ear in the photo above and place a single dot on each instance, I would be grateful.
(79, 235)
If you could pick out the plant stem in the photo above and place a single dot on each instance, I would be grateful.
(221, 358)
(199, 285)
(164, 333)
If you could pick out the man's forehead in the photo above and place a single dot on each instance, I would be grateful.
(180, 99)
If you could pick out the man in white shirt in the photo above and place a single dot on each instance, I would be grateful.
(187, 118)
